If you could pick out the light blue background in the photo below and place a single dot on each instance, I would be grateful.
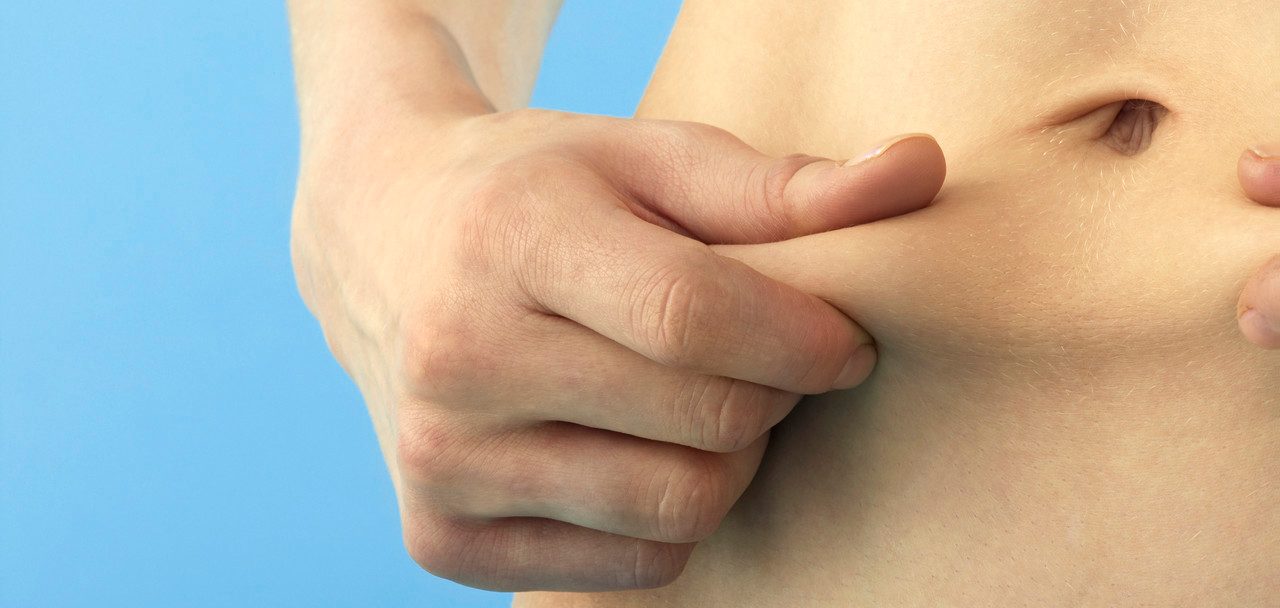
(172, 429)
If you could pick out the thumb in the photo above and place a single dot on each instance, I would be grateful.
(1259, 307)
(1259, 171)
(720, 190)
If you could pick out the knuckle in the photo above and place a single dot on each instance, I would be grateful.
(767, 185)
(723, 413)
(743, 417)
(439, 357)
(656, 565)
(691, 502)
(436, 545)
(427, 452)
(466, 553)
(472, 553)
(518, 214)
(674, 312)
(498, 213)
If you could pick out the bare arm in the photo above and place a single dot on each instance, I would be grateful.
(446, 58)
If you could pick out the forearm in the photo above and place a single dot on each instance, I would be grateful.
(502, 40)
(359, 61)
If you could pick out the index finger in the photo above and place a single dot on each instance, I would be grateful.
(674, 300)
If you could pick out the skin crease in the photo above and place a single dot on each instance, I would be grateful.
(1063, 412)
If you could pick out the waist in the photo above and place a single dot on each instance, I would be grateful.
(912, 492)
(1062, 413)
(833, 77)
(1058, 229)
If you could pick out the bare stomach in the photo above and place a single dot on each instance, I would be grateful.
(1062, 413)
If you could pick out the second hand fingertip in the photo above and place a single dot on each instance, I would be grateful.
(1266, 152)
(1259, 330)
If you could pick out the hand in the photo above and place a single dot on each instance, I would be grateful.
(570, 389)
(1259, 306)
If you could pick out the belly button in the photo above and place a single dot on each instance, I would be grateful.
(1131, 131)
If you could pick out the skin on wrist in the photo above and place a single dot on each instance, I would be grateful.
(502, 41)
(358, 63)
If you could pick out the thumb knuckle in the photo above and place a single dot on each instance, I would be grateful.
(674, 310)
(768, 186)
(692, 500)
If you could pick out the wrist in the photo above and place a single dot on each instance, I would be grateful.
(362, 67)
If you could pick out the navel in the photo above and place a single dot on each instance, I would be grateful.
(1134, 126)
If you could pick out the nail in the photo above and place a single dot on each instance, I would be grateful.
(1265, 332)
(858, 367)
(1267, 151)
(883, 147)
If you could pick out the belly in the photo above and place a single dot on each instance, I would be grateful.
(1062, 413)
(1042, 226)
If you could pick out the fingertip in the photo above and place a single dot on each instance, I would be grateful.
(858, 368)
(1257, 329)
(894, 178)
(841, 354)
(917, 155)
(893, 142)
(1259, 172)
(1258, 310)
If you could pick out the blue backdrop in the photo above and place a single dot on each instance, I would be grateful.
(172, 429)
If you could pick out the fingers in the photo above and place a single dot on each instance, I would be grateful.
(676, 302)
(527, 554)
(723, 191)
(1259, 170)
(591, 478)
(1259, 308)
(559, 506)
(554, 369)
(1258, 311)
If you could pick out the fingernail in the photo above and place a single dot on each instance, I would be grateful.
(1264, 331)
(858, 367)
(883, 147)
(1267, 151)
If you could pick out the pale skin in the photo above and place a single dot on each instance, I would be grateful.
(482, 270)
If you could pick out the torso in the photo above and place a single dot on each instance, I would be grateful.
(1063, 413)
